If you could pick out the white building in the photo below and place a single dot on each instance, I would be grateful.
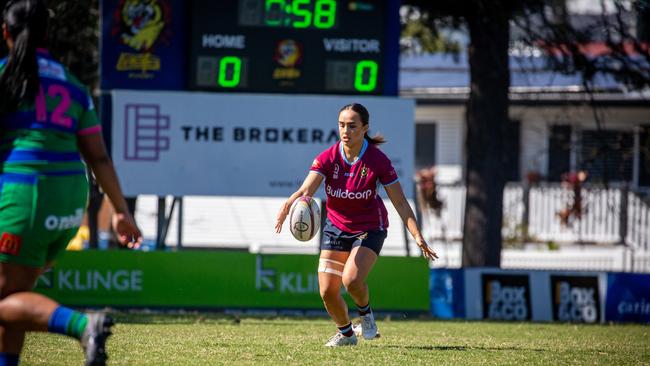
(554, 127)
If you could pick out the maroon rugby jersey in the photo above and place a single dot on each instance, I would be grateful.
(353, 204)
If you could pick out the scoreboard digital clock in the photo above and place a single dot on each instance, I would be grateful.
(294, 46)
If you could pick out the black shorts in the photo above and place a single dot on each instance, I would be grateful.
(341, 241)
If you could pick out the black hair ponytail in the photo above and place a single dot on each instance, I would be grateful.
(26, 22)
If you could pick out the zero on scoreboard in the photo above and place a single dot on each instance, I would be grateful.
(294, 46)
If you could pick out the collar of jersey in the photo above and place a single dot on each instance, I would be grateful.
(363, 150)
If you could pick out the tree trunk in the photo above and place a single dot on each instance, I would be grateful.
(487, 117)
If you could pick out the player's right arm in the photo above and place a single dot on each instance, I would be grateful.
(95, 155)
(308, 188)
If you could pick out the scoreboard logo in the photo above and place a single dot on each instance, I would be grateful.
(288, 54)
(575, 298)
(141, 24)
(506, 297)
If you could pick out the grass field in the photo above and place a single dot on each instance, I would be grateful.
(217, 339)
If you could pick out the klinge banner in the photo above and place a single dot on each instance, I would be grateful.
(220, 280)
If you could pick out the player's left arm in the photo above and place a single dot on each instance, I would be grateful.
(396, 195)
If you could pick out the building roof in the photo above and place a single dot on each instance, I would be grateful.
(446, 77)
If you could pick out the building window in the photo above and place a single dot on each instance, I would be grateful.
(644, 156)
(559, 152)
(607, 155)
(512, 148)
(425, 145)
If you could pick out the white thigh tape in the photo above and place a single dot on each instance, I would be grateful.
(323, 267)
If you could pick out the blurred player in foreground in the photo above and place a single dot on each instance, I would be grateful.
(47, 119)
(357, 219)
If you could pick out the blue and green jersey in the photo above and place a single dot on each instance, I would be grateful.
(41, 137)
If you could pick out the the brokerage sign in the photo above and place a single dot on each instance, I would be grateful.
(506, 297)
(575, 298)
(175, 143)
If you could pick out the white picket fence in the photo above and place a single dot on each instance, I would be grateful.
(247, 223)
(600, 222)
(638, 223)
(568, 257)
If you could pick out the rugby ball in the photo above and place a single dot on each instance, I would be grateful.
(304, 218)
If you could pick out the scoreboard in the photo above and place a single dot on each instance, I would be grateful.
(294, 46)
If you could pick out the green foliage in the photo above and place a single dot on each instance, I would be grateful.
(517, 237)
(421, 37)
(211, 339)
(73, 37)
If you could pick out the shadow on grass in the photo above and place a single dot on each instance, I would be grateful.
(462, 348)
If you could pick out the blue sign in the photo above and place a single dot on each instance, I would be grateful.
(628, 297)
(143, 44)
(447, 293)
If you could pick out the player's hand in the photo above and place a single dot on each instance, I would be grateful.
(127, 231)
(426, 250)
(282, 215)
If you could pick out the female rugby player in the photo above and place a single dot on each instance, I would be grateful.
(46, 120)
(357, 219)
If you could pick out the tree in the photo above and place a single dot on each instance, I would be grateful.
(73, 37)
(549, 29)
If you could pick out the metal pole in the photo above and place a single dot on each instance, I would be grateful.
(179, 240)
(160, 240)
(622, 215)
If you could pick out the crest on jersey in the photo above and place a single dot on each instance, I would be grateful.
(364, 172)
(336, 172)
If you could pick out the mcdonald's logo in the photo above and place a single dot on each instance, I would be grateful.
(10, 244)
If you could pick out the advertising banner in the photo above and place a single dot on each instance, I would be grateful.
(183, 143)
(575, 298)
(447, 293)
(506, 297)
(220, 279)
(142, 44)
(628, 297)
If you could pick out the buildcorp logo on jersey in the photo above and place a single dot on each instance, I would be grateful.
(346, 194)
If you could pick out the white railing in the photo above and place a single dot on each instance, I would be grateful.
(638, 223)
(600, 221)
(570, 257)
(247, 222)
(449, 226)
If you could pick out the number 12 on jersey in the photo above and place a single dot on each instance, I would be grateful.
(58, 116)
